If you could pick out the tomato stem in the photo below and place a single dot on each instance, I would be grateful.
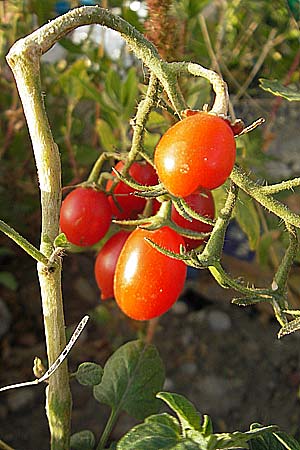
(23, 243)
(263, 196)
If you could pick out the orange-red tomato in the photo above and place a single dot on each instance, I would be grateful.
(85, 216)
(147, 282)
(106, 261)
(202, 202)
(198, 151)
(128, 205)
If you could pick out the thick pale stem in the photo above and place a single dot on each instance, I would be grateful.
(24, 62)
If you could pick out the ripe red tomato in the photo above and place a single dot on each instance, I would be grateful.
(131, 206)
(106, 261)
(198, 151)
(147, 282)
(202, 202)
(85, 216)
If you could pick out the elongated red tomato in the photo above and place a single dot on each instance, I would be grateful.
(85, 216)
(198, 151)
(147, 283)
(202, 202)
(125, 205)
(106, 261)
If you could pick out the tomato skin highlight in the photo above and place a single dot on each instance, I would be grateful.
(147, 283)
(129, 206)
(202, 202)
(85, 216)
(198, 151)
(106, 261)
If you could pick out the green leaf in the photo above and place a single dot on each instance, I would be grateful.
(289, 328)
(266, 240)
(89, 374)
(106, 135)
(113, 87)
(132, 377)
(161, 431)
(8, 280)
(61, 240)
(75, 79)
(188, 416)
(240, 439)
(265, 442)
(247, 217)
(287, 441)
(129, 92)
(278, 89)
(207, 427)
(83, 440)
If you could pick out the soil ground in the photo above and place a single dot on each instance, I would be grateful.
(226, 359)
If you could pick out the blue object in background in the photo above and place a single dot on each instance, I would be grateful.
(236, 243)
(87, 3)
(62, 7)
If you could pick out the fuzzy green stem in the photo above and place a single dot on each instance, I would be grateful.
(142, 114)
(23, 243)
(241, 179)
(24, 59)
(284, 185)
(214, 246)
(282, 273)
(226, 281)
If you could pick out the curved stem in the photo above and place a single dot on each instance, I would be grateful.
(24, 60)
(250, 187)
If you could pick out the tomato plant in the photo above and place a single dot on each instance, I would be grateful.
(202, 202)
(147, 282)
(124, 204)
(85, 216)
(106, 261)
(198, 151)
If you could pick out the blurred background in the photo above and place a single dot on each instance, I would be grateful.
(227, 360)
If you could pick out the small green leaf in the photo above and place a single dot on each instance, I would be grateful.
(289, 328)
(83, 440)
(89, 374)
(106, 135)
(276, 88)
(161, 431)
(129, 92)
(267, 441)
(132, 377)
(247, 218)
(188, 416)
(207, 427)
(8, 280)
(61, 241)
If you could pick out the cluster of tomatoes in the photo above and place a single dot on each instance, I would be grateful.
(193, 157)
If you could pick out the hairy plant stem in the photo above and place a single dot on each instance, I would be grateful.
(241, 179)
(23, 59)
(23, 243)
